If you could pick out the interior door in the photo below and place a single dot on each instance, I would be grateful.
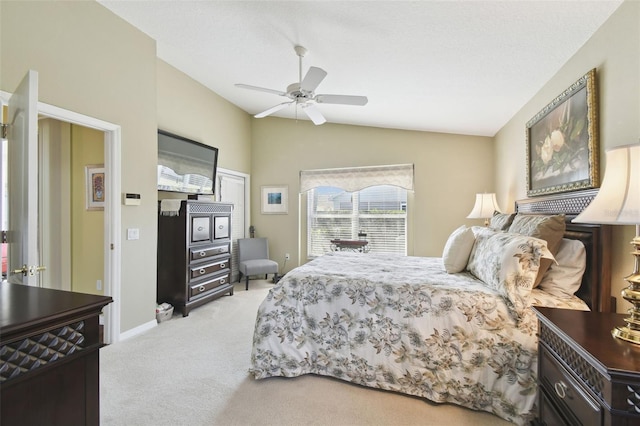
(22, 234)
(232, 189)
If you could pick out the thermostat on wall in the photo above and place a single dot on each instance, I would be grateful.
(131, 199)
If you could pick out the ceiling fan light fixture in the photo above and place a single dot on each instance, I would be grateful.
(303, 93)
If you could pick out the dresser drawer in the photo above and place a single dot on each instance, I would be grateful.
(565, 392)
(203, 253)
(200, 271)
(196, 290)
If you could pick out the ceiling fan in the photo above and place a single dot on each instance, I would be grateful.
(303, 93)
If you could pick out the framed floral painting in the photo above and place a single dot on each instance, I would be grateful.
(95, 193)
(562, 142)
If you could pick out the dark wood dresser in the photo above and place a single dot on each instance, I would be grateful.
(194, 254)
(585, 375)
(49, 359)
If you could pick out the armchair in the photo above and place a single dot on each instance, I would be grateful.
(253, 259)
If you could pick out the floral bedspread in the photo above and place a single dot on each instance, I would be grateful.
(403, 324)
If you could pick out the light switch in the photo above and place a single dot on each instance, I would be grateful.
(133, 234)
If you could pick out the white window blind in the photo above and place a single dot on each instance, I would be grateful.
(379, 211)
(344, 203)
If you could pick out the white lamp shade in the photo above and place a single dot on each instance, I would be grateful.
(618, 200)
(485, 206)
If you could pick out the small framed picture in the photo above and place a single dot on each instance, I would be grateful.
(275, 199)
(95, 196)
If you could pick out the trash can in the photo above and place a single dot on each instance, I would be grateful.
(164, 311)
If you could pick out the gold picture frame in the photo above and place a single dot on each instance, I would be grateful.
(562, 142)
(95, 186)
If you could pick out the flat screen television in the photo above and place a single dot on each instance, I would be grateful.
(185, 165)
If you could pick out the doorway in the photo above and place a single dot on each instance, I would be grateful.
(70, 231)
(112, 211)
(232, 187)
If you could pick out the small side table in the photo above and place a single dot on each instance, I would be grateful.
(361, 246)
(585, 375)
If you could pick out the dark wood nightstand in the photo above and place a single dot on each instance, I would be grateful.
(585, 375)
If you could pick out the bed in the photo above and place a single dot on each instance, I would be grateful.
(405, 324)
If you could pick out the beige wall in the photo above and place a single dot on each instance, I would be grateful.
(449, 170)
(615, 52)
(87, 226)
(92, 62)
(187, 108)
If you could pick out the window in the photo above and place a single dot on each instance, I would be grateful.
(378, 211)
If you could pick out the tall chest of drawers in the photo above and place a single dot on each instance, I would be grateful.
(585, 375)
(194, 254)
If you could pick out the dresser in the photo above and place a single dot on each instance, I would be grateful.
(49, 356)
(194, 254)
(585, 375)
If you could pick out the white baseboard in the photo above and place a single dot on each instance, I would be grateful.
(138, 330)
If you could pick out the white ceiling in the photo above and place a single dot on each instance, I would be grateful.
(446, 66)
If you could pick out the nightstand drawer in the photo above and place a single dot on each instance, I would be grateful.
(566, 393)
(549, 415)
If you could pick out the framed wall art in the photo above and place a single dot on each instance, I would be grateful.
(94, 175)
(275, 199)
(562, 142)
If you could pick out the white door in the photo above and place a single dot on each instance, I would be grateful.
(231, 189)
(22, 138)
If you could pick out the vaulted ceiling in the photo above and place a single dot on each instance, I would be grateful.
(446, 66)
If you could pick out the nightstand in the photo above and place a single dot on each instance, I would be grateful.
(585, 375)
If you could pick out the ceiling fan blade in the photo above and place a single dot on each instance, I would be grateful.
(314, 114)
(272, 109)
(342, 99)
(261, 89)
(313, 78)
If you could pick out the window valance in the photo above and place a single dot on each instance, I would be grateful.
(357, 178)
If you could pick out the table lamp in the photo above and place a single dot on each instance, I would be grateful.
(618, 203)
(484, 208)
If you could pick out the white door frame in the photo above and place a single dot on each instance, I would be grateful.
(112, 208)
(247, 194)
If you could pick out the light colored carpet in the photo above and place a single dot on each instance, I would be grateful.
(193, 371)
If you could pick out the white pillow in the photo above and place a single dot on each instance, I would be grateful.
(564, 279)
(457, 249)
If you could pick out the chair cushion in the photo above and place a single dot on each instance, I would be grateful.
(258, 266)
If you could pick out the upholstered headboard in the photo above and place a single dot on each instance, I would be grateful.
(596, 282)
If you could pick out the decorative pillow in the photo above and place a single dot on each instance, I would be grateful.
(508, 263)
(548, 228)
(501, 221)
(457, 249)
(564, 278)
(482, 230)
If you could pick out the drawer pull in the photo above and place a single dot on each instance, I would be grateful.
(203, 253)
(561, 389)
(222, 280)
(202, 271)
(200, 228)
(201, 288)
(222, 266)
